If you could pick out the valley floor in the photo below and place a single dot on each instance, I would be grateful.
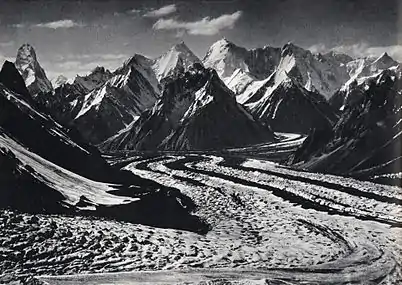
(267, 223)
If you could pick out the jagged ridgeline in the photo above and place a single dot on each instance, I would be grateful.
(196, 112)
(366, 141)
(232, 97)
(47, 168)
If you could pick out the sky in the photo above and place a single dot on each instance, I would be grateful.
(73, 37)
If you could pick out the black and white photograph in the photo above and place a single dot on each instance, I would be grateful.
(201, 142)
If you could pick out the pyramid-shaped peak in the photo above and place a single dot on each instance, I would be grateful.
(181, 50)
(222, 43)
(384, 57)
(294, 50)
(290, 46)
(384, 54)
(181, 46)
(13, 80)
(225, 41)
(219, 49)
(135, 60)
(26, 53)
(177, 59)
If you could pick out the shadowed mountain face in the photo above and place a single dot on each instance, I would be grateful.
(44, 170)
(360, 71)
(226, 57)
(10, 78)
(33, 185)
(21, 119)
(175, 61)
(285, 88)
(100, 104)
(196, 112)
(366, 140)
(241, 69)
(286, 106)
(216, 121)
(33, 74)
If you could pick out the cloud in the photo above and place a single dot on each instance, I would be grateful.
(135, 11)
(163, 11)
(93, 56)
(318, 48)
(132, 11)
(6, 44)
(61, 24)
(3, 58)
(359, 50)
(70, 65)
(363, 50)
(113, 56)
(206, 26)
(18, 25)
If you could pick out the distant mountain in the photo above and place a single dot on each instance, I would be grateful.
(287, 88)
(226, 58)
(58, 81)
(115, 104)
(360, 71)
(96, 78)
(11, 79)
(282, 103)
(33, 74)
(21, 119)
(366, 141)
(196, 112)
(240, 68)
(366, 67)
(44, 168)
(101, 103)
(176, 60)
(67, 99)
(322, 74)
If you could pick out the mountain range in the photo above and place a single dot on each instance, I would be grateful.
(196, 112)
(366, 141)
(233, 97)
(48, 168)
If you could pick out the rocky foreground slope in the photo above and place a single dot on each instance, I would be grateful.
(45, 168)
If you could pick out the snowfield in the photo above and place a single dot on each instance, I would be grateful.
(72, 186)
(269, 225)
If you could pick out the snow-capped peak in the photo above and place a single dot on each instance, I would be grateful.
(324, 74)
(25, 56)
(59, 81)
(225, 57)
(221, 43)
(176, 59)
(363, 69)
(181, 47)
(98, 76)
(291, 48)
(34, 76)
(385, 61)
